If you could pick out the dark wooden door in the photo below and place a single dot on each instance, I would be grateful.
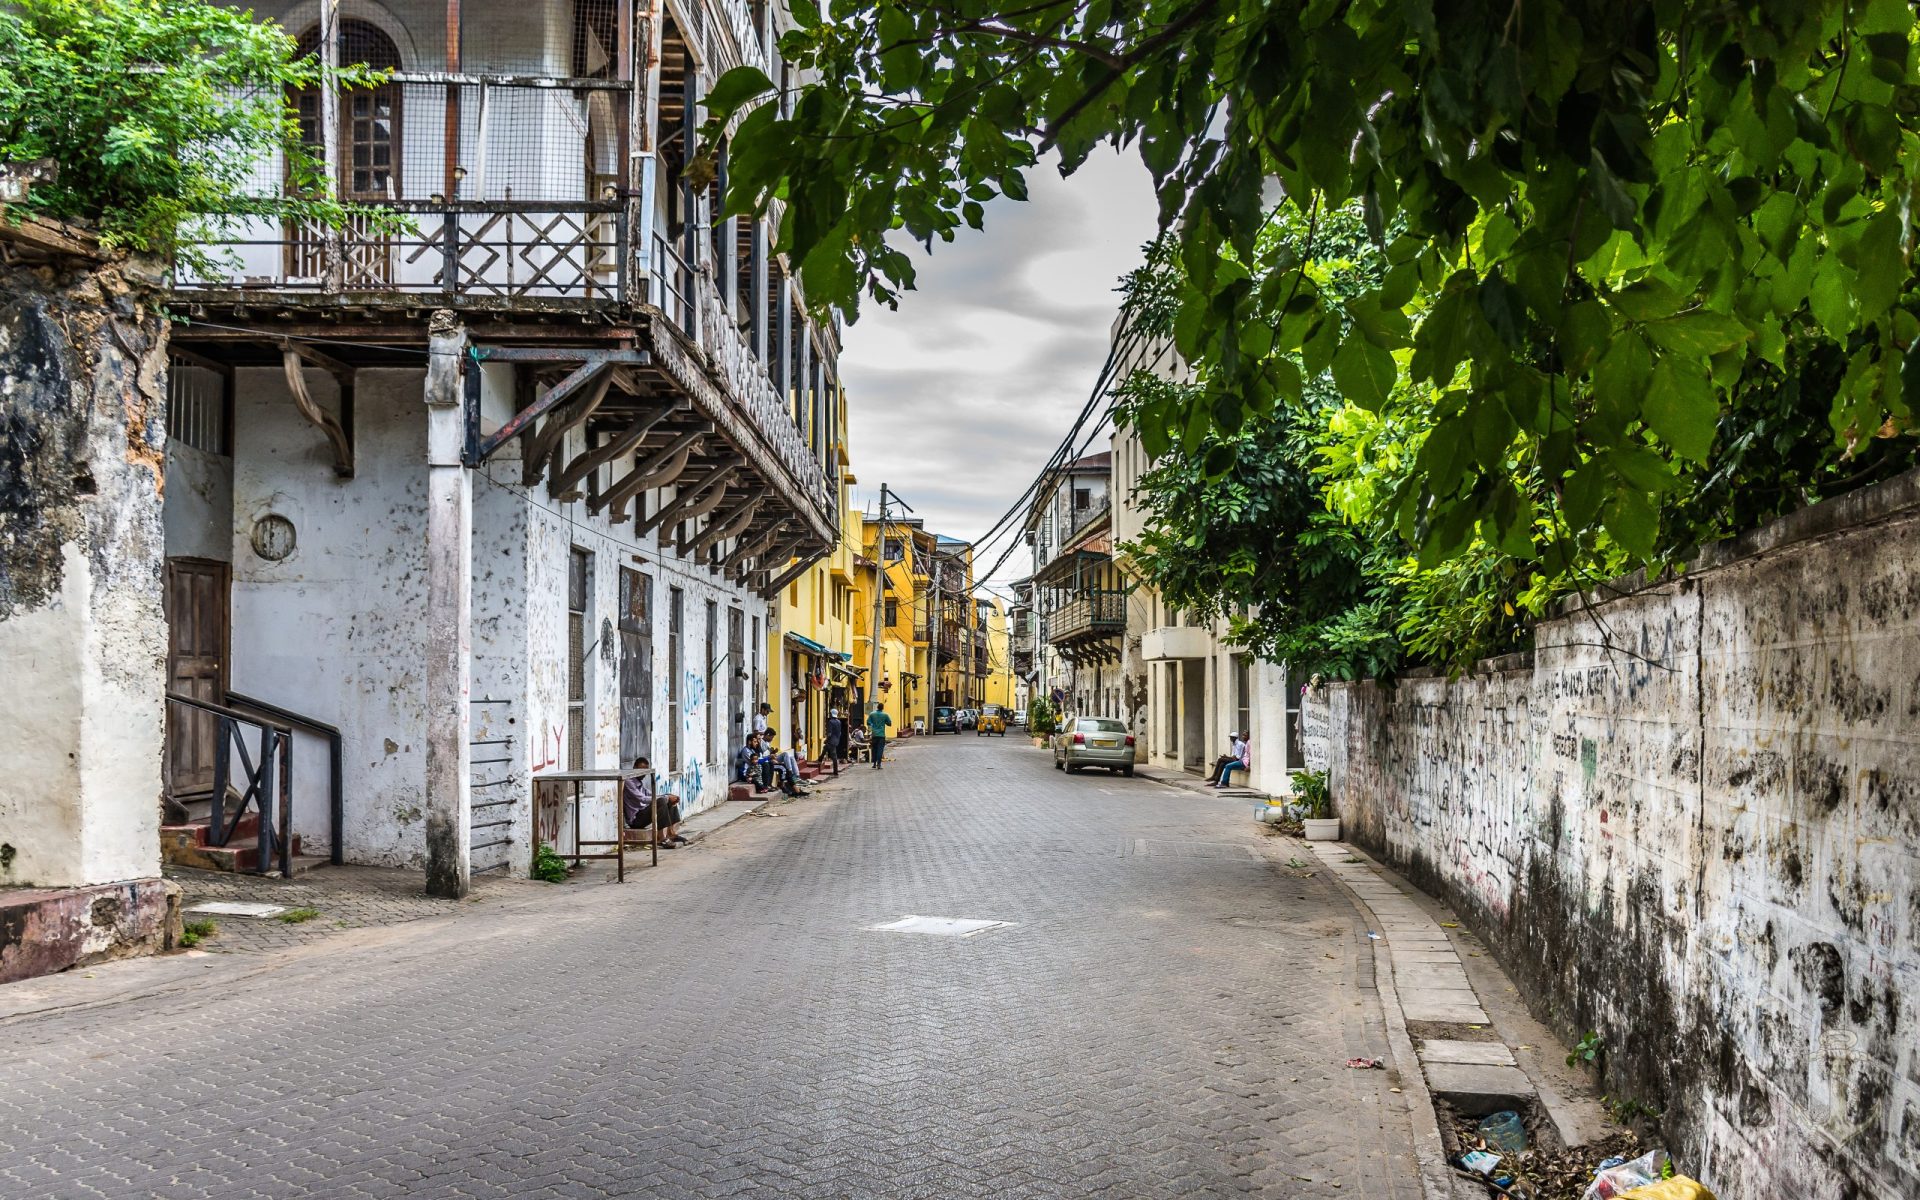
(636, 665)
(196, 603)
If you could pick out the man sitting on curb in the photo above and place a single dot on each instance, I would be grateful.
(774, 763)
(640, 803)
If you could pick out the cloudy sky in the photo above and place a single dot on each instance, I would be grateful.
(957, 398)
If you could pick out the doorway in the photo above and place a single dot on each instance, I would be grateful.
(636, 665)
(197, 639)
(1193, 714)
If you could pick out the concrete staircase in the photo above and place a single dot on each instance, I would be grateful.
(191, 845)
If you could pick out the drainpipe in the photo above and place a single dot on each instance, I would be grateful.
(449, 613)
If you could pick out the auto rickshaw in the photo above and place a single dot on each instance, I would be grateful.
(993, 719)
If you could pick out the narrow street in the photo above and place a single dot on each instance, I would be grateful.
(1168, 1015)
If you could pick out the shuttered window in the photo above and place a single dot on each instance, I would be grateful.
(579, 571)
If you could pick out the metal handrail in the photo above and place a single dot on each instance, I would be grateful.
(336, 800)
(263, 782)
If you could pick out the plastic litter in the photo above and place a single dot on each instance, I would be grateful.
(1504, 1132)
(1364, 1064)
(1480, 1160)
(1677, 1188)
(1617, 1181)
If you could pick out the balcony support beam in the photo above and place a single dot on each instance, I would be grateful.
(673, 510)
(600, 456)
(728, 524)
(758, 254)
(747, 549)
(660, 469)
(711, 497)
(590, 392)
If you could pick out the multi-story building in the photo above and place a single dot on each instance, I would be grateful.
(503, 488)
(1078, 596)
(815, 651)
(1187, 688)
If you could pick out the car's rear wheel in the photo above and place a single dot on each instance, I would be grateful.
(1127, 771)
(1058, 765)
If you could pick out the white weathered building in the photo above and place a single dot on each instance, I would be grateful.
(505, 493)
(1188, 688)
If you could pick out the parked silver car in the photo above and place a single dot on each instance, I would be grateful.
(1093, 742)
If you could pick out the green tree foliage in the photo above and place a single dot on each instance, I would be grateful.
(158, 114)
(1619, 235)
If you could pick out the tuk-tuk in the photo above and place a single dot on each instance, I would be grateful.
(993, 719)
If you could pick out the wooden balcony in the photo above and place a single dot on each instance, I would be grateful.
(1088, 626)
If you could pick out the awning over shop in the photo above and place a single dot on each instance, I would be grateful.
(840, 668)
(813, 647)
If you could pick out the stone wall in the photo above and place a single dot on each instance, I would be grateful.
(1690, 821)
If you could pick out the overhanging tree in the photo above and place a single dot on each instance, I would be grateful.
(1605, 222)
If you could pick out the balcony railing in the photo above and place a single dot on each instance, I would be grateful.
(1097, 614)
(502, 186)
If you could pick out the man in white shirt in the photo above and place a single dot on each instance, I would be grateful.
(1240, 759)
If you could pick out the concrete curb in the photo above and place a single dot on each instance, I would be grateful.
(1437, 1180)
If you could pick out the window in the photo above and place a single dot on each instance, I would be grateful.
(198, 413)
(713, 651)
(736, 671)
(1242, 694)
(1082, 498)
(895, 551)
(676, 613)
(1099, 725)
(893, 613)
(579, 571)
(369, 117)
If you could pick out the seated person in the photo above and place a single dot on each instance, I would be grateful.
(1242, 759)
(639, 805)
(776, 764)
(745, 758)
(790, 767)
(859, 744)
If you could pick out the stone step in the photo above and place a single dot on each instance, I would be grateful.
(186, 846)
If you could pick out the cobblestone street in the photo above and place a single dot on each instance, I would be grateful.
(1168, 1015)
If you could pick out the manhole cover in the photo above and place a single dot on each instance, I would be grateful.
(941, 926)
(238, 908)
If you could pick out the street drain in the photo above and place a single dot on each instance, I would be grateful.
(940, 926)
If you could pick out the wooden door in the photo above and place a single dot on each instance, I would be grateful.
(636, 665)
(196, 604)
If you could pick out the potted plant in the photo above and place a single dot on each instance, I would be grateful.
(1316, 806)
(1041, 720)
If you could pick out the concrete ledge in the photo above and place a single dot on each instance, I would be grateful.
(44, 930)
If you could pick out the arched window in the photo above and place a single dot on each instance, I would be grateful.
(369, 117)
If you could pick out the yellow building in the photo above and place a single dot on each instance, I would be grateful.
(890, 564)
(997, 686)
(812, 666)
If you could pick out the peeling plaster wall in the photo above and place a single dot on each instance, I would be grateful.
(82, 636)
(522, 542)
(1704, 849)
(336, 630)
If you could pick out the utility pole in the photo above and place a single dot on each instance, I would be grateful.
(935, 612)
(879, 605)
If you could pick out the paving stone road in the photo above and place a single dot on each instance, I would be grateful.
(1168, 1016)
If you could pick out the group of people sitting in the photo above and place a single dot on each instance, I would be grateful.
(762, 763)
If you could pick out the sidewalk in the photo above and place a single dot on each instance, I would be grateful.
(1452, 1013)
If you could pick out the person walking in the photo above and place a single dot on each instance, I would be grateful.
(836, 739)
(878, 722)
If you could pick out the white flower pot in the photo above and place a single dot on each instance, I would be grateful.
(1322, 829)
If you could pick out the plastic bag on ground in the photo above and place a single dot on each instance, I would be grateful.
(1617, 1181)
(1677, 1188)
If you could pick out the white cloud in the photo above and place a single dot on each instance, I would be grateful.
(956, 399)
